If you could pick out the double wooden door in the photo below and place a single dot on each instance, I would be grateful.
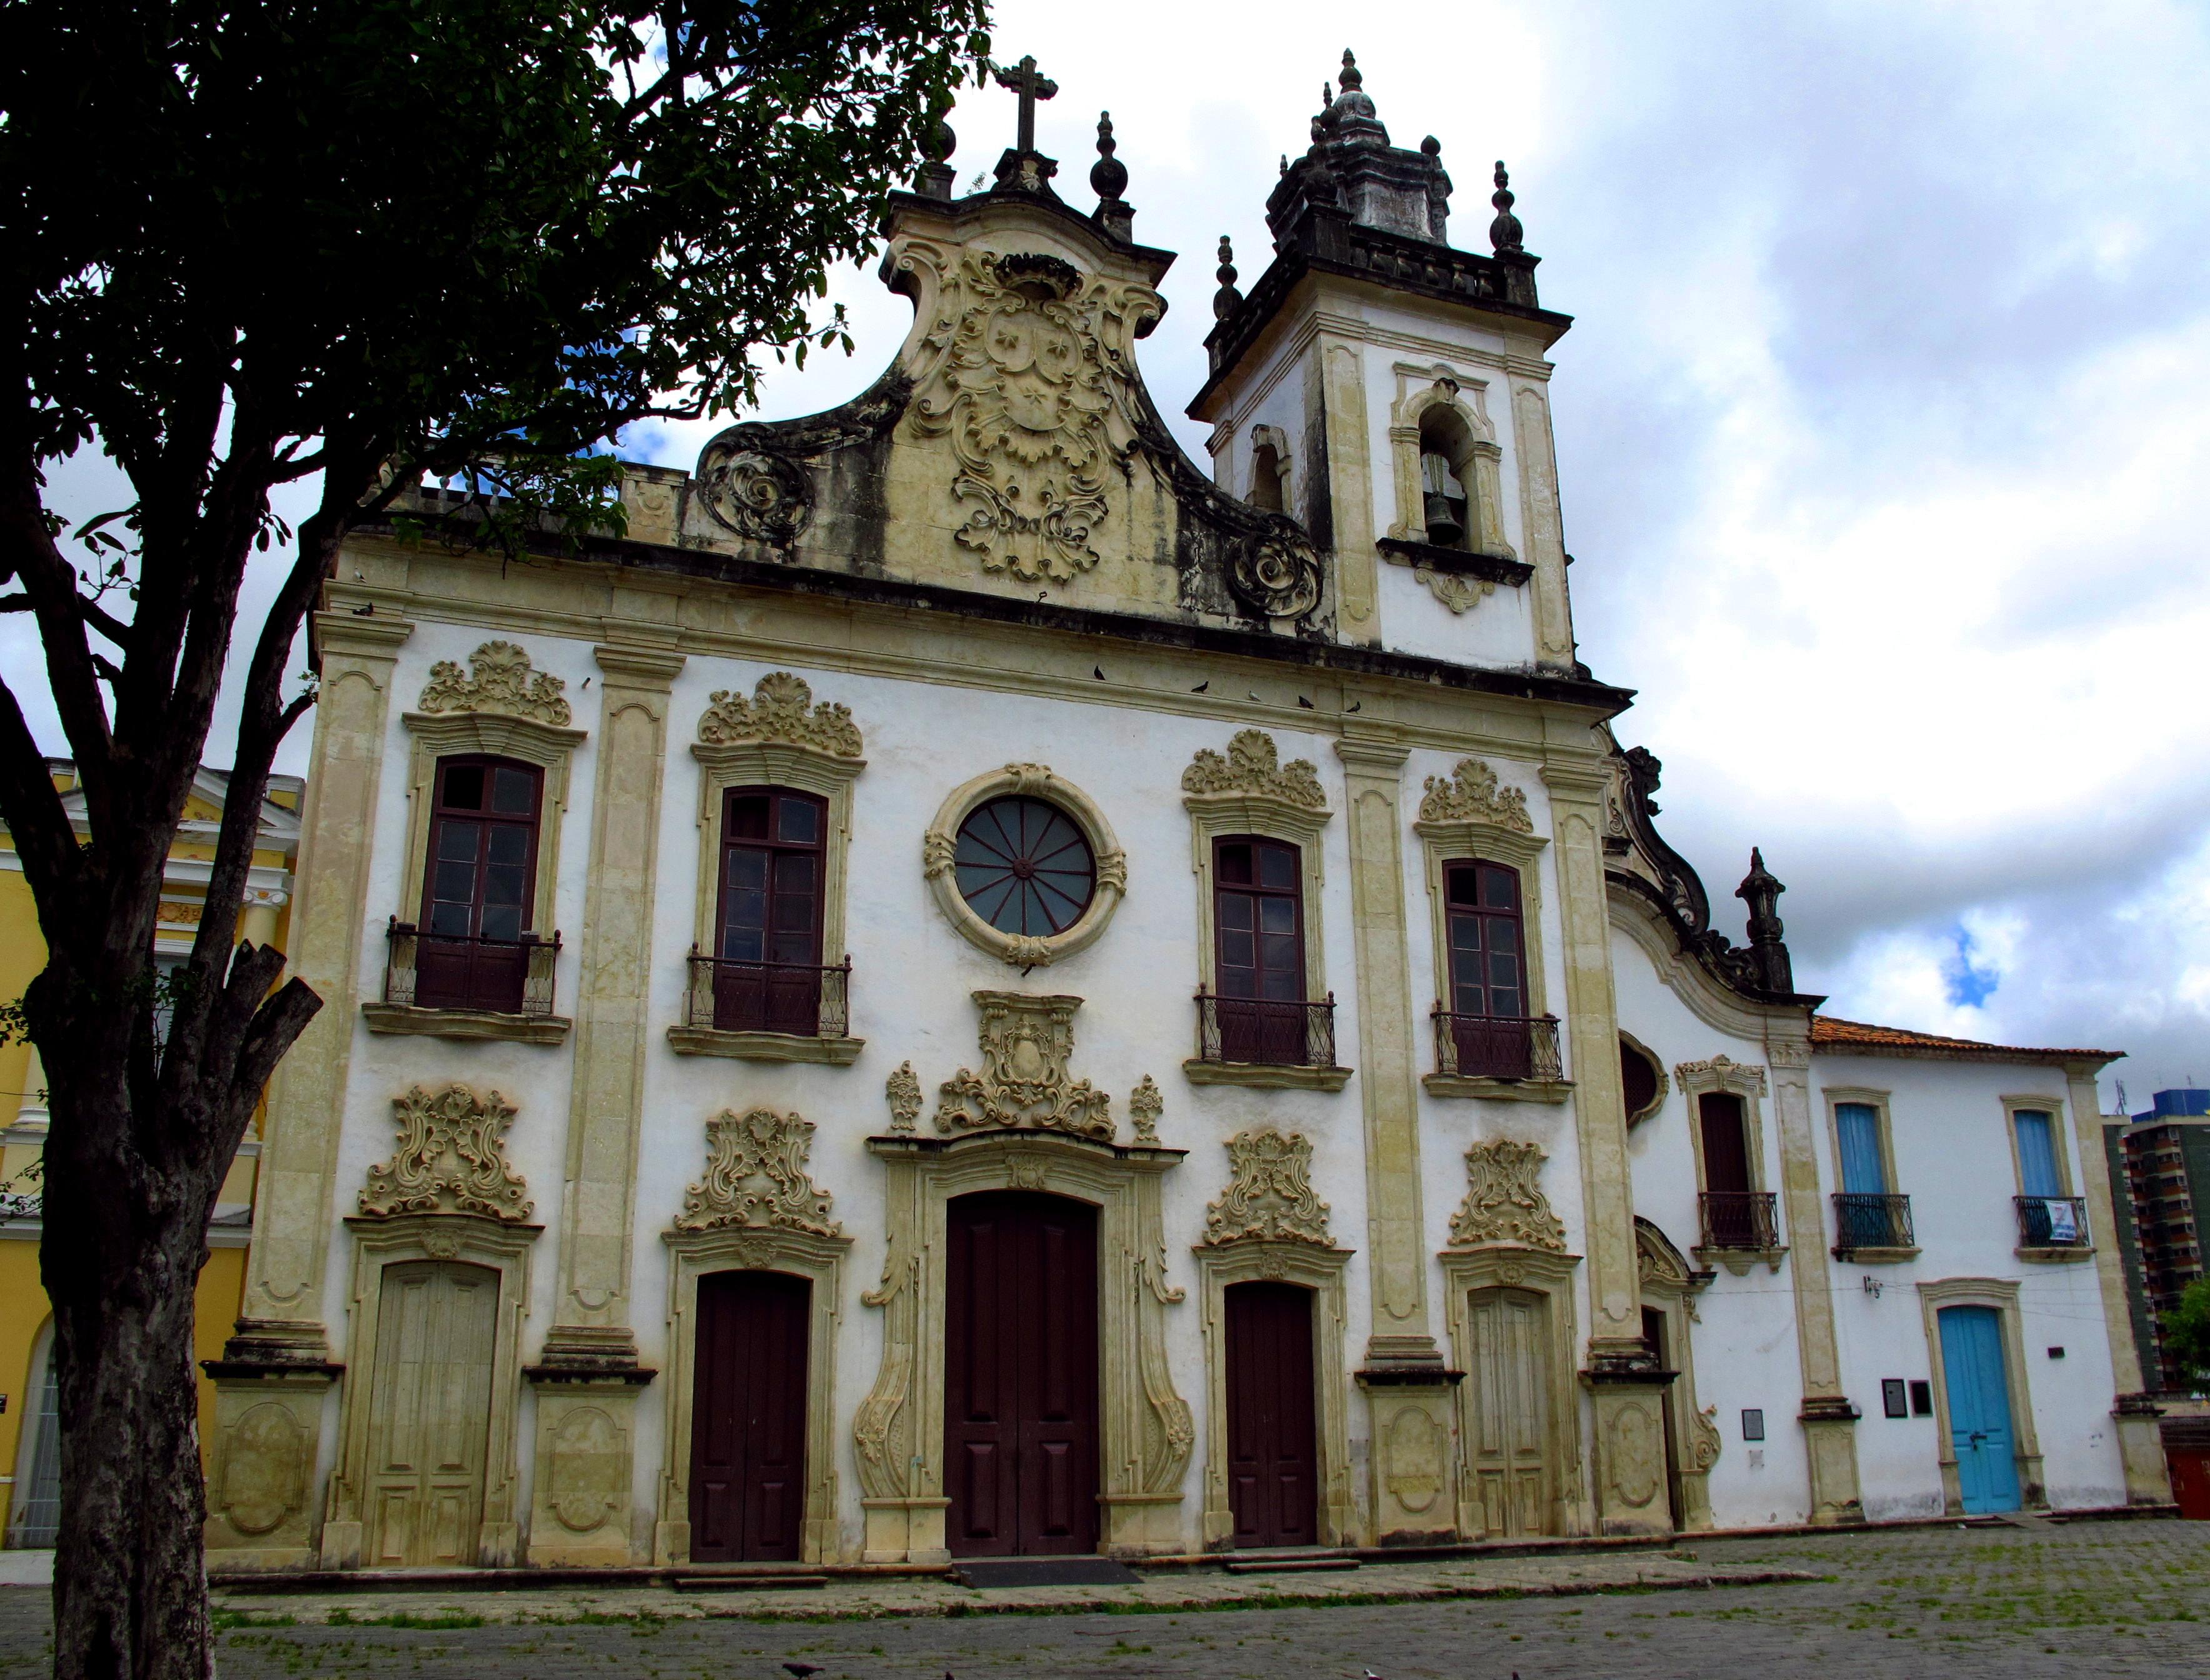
(436, 1324)
(748, 1417)
(1020, 1354)
(1272, 1468)
(1510, 1455)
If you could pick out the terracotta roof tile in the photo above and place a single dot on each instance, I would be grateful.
(1830, 1032)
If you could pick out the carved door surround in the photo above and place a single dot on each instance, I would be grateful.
(1268, 1226)
(1670, 1286)
(381, 1242)
(1504, 1237)
(731, 1223)
(1146, 1427)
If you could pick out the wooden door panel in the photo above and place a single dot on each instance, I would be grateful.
(748, 1417)
(1511, 1424)
(1021, 1374)
(431, 1392)
(1271, 1445)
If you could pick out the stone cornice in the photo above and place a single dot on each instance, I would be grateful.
(642, 561)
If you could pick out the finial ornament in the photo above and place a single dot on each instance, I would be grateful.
(940, 141)
(1505, 233)
(1227, 301)
(1352, 80)
(1024, 80)
(1761, 890)
(1109, 176)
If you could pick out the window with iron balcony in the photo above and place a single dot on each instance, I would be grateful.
(472, 955)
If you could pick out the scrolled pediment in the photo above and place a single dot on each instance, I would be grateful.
(1252, 768)
(782, 710)
(499, 679)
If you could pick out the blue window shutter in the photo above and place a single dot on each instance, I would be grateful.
(1864, 1172)
(2037, 1154)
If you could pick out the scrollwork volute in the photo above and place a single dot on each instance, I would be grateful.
(756, 1177)
(782, 710)
(500, 680)
(1277, 575)
(1028, 377)
(1504, 1202)
(1270, 1196)
(1024, 1085)
(451, 1158)
(1470, 795)
(759, 495)
(1253, 766)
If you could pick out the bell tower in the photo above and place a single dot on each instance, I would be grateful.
(1391, 394)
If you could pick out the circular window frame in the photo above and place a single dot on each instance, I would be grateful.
(1025, 950)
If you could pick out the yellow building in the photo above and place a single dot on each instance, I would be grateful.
(28, 1445)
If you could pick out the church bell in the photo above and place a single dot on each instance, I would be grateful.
(1443, 527)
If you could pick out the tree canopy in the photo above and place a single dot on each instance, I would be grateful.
(348, 244)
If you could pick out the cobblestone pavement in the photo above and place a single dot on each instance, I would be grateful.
(2117, 1599)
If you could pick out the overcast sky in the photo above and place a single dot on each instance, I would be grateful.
(1883, 432)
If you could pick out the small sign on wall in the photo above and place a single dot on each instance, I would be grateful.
(1753, 1424)
(1893, 1399)
(1922, 1399)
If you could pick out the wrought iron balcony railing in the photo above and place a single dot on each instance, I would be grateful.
(804, 999)
(1739, 1219)
(1497, 1046)
(468, 971)
(1864, 1221)
(2052, 1221)
(1268, 1030)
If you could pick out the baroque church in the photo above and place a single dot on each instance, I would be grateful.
(968, 989)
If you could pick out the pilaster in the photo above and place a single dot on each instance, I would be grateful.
(2148, 1481)
(276, 1368)
(1828, 1418)
(1542, 523)
(1408, 1399)
(1350, 492)
(1626, 1387)
(589, 1361)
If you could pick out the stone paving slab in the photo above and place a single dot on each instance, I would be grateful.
(2111, 1600)
(865, 1598)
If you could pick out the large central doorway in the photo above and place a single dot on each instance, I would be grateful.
(1020, 1404)
(748, 1417)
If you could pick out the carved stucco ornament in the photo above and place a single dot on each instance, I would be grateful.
(1470, 795)
(1270, 1196)
(780, 710)
(1027, 379)
(451, 1158)
(1024, 1085)
(1146, 1105)
(1277, 574)
(1503, 1201)
(756, 1177)
(901, 1091)
(758, 494)
(499, 679)
(1253, 766)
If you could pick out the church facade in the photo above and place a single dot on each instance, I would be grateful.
(967, 989)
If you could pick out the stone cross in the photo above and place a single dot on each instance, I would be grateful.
(1024, 80)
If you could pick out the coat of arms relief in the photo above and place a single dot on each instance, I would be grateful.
(1028, 374)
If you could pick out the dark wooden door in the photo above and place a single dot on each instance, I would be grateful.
(748, 1417)
(1272, 1463)
(1020, 1404)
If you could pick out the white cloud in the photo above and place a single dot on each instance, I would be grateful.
(1883, 446)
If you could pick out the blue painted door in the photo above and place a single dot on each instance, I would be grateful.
(1979, 1408)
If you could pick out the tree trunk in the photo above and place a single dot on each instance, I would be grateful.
(129, 1582)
